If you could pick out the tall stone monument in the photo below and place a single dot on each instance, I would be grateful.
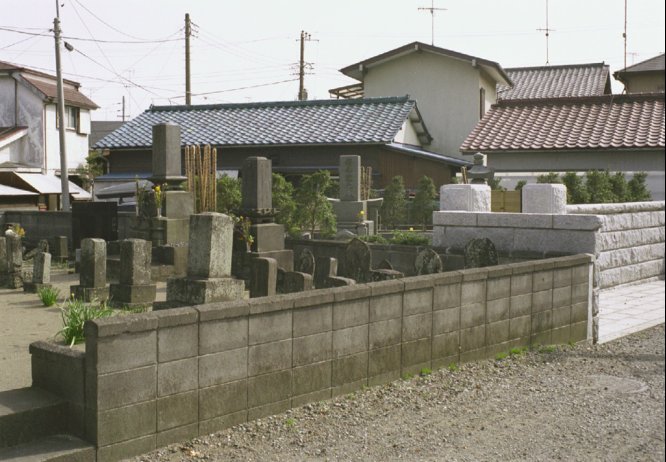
(134, 287)
(350, 210)
(92, 278)
(208, 264)
(41, 273)
(14, 255)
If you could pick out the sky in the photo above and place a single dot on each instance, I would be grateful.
(248, 51)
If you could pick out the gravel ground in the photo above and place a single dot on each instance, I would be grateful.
(584, 403)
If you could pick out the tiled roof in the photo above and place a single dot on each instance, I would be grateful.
(357, 121)
(556, 81)
(599, 123)
(649, 65)
(49, 89)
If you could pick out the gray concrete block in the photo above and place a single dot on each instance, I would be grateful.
(269, 327)
(313, 397)
(222, 310)
(385, 360)
(472, 315)
(580, 292)
(58, 369)
(350, 341)
(515, 220)
(521, 305)
(383, 379)
(207, 427)
(542, 300)
(447, 320)
(417, 301)
(312, 348)
(498, 288)
(220, 400)
(177, 342)
(349, 387)
(445, 345)
(561, 277)
(473, 355)
(177, 376)
(561, 317)
(498, 310)
(223, 367)
(177, 435)
(416, 327)
(446, 296)
(541, 338)
(386, 307)
(311, 378)
(542, 280)
(177, 410)
(473, 292)
(561, 296)
(269, 357)
(221, 335)
(561, 335)
(121, 352)
(125, 423)
(580, 274)
(385, 333)
(350, 313)
(579, 331)
(126, 449)
(349, 369)
(123, 388)
(520, 327)
(454, 218)
(542, 321)
(579, 312)
(316, 298)
(269, 388)
(312, 320)
(416, 352)
(391, 286)
(268, 409)
(472, 338)
(521, 284)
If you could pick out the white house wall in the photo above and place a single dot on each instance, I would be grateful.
(446, 91)
(77, 144)
(407, 135)
(6, 101)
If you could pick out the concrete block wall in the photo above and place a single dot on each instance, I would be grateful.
(148, 380)
(630, 241)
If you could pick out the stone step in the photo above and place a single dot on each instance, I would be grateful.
(54, 448)
(27, 414)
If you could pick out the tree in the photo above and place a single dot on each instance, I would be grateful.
(550, 178)
(93, 168)
(599, 186)
(637, 190)
(495, 184)
(283, 201)
(313, 208)
(577, 192)
(619, 187)
(423, 200)
(393, 208)
(228, 194)
(519, 185)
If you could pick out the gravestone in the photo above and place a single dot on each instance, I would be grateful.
(42, 246)
(326, 274)
(41, 273)
(92, 277)
(14, 278)
(94, 219)
(350, 210)
(208, 263)
(295, 281)
(306, 262)
(134, 287)
(357, 264)
(60, 250)
(3, 261)
(428, 262)
(263, 278)
(385, 264)
(480, 252)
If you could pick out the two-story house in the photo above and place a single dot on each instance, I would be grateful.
(644, 77)
(29, 138)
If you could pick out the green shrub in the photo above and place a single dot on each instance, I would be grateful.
(228, 194)
(495, 184)
(48, 295)
(599, 186)
(577, 192)
(550, 178)
(74, 315)
(283, 201)
(313, 209)
(519, 185)
(620, 188)
(424, 201)
(374, 239)
(409, 238)
(637, 189)
(393, 208)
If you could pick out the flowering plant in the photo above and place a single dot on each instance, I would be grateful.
(18, 229)
(158, 198)
(242, 227)
(361, 215)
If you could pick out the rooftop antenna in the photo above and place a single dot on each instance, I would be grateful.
(432, 10)
(547, 30)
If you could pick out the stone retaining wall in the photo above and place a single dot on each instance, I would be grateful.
(167, 376)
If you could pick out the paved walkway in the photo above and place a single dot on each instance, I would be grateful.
(629, 309)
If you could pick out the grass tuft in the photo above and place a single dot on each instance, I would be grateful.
(75, 313)
(49, 295)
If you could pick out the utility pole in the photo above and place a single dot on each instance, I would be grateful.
(432, 10)
(302, 92)
(64, 180)
(188, 33)
(123, 108)
(547, 30)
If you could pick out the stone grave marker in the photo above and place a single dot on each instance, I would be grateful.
(92, 277)
(41, 273)
(134, 287)
(263, 279)
(480, 252)
(306, 262)
(428, 262)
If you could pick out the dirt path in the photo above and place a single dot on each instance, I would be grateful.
(603, 402)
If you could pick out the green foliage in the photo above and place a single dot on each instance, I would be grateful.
(423, 204)
(74, 315)
(519, 185)
(517, 351)
(425, 371)
(619, 187)
(333, 189)
(374, 239)
(93, 168)
(49, 295)
(290, 422)
(547, 348)
(577, 192)
(283, 201)
(313, 209)
(228, 194)
(549, 178)
(599, 186)
(407, 376)
(393, 208)
(501, 356)
(453, 367)
(409, 238)
(637, 190)
(495, 185)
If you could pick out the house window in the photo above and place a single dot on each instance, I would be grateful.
(482, 102)
(71, 118)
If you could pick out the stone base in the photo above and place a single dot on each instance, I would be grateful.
(126, 295)
(199, 291)
(12, 280)
(267, 237)
(362, 228)
(285, 258)
(465, 197)
(544, 198)
(349, 211)
(35, 287)
(90, 294)
(178, 204)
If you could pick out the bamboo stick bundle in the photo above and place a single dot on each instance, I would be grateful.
(214, 192)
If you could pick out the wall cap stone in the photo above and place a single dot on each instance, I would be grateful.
(340, 294)
(474, 274)
(43, 349)
(271, 303)
(222, 310)
(625, 207)
(386, 287)
(315, 297)
(176, 317)
(115, 325)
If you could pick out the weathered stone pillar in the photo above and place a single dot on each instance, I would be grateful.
(92, 279)
(351, 212)
(263, 278)
(41, 273)
(3, 261)
(464, 197)
(544, 198)
(59, 249)
(14, 262)
(134, 287)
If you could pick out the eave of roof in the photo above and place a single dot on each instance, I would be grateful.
(654, 64)
(357, 70)
(418, 152)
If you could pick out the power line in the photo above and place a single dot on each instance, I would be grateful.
(16, 31)
(240, 88)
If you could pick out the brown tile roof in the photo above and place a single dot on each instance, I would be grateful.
(556, 81)
(655, 64)
(72, 95)
(598, 123)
